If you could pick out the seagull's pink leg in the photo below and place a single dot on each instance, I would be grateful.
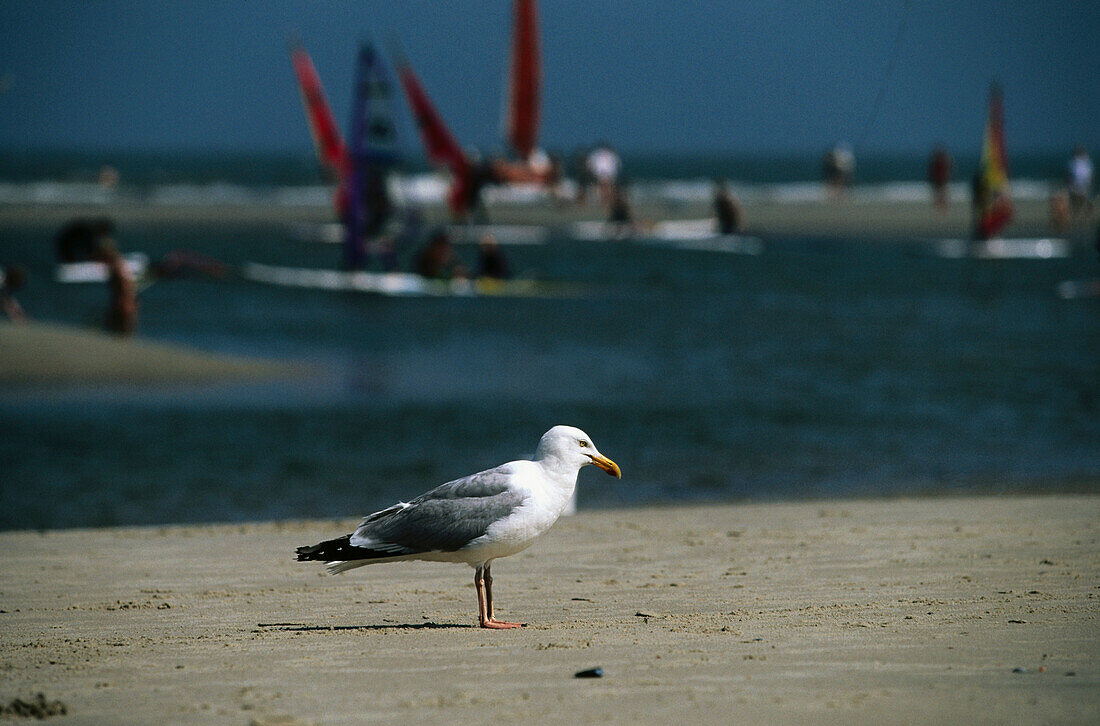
(490, 621)
(479, 585)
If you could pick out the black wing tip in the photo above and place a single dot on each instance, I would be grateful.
(323, 551)
(341, 550)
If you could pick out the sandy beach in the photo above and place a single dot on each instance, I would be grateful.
(956, 610)
(41, 354)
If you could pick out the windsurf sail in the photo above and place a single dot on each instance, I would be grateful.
(439, 142)
(525, 77)
(372, 154)
(331, 152)
(992, 195)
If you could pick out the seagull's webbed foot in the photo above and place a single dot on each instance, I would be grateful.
(500, 624)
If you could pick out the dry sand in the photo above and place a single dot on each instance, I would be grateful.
(898, 611)
(41, 354)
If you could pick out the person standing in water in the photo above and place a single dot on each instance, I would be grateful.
(939, 175)
(491, 261)
(437, 260)
(12, 279)
(604, 165)
(122, 308)
(726, 209)
(1079, 178)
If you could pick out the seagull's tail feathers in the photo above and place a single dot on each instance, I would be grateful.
(335, 568)
(341, 555)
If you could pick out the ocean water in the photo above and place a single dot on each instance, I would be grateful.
(820, 368)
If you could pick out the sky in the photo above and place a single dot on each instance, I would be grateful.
(698, 76)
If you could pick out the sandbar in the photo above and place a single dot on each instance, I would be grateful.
(44, 354)
(856, 218)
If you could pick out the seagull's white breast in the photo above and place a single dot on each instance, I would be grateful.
(545, 500)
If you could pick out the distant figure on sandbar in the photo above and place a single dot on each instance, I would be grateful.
(838, 168)
(122, 307)
(12, 279)
(604, 165)
(1058, 210)
(620, 216)
(727, 209)
(1079, 179)
(437, 260)
(108, 177)
(940, 166)
(491, 261)
(583, 175)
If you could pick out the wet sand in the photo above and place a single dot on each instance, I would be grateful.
(896, 611)
(40, 354)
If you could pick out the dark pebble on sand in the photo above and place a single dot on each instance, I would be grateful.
(596, 672)
(37, 708)
(1019, 670)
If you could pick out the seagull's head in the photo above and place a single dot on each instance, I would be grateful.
(574, 447)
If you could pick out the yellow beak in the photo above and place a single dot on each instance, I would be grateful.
(606, 464)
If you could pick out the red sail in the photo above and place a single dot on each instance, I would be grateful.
(524, 80)
(326, 134)
(439, 142)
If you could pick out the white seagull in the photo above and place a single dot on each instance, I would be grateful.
(476, 519)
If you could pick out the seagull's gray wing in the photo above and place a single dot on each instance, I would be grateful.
(445, 519)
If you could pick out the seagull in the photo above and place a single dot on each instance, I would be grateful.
(475, 519)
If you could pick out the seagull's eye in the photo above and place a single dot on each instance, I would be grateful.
(583, 443)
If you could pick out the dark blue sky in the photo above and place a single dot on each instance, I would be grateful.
(785, 76)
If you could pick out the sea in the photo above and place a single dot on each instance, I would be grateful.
(822, 368)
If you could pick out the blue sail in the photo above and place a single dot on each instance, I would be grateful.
(372, 153)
